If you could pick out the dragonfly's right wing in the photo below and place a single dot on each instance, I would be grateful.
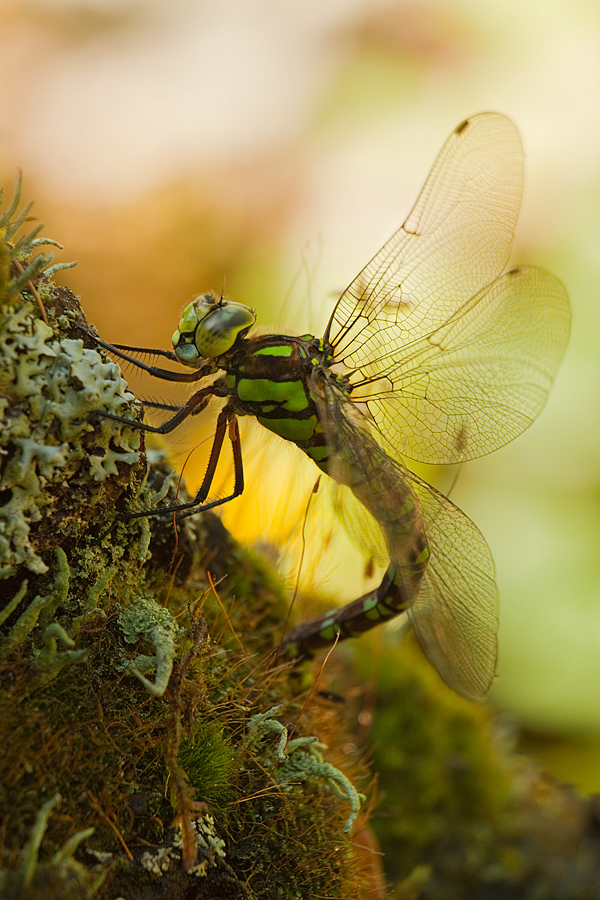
(477, 381)
(453, 600)
(453, 360)
(456, 613)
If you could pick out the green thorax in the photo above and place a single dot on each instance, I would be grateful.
(269, 377)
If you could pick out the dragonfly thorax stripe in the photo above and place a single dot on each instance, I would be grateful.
(269, 377)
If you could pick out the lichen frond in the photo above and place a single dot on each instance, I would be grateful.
(21, 247)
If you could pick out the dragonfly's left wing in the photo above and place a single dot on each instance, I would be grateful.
(455, 613)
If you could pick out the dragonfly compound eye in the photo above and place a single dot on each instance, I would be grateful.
(209, 328)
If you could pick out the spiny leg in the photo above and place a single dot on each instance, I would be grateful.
(167, 354)
(155, 371)
(226, 422)
(170, 407)
(194, 405)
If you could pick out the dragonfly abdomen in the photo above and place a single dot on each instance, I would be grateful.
(385, 602)
(376, 480)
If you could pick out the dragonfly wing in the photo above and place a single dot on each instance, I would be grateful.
(452, 362)
(360, 526)
(453, 600)
(477, 381)
(378, 482)
(456, 613)
(455, 241)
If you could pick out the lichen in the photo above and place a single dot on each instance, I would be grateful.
(48, 388)
(49, 661)
(146, 620)
(34, 879)
(211, 849)
(301, 759)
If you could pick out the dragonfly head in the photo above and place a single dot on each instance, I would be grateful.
(209, 327)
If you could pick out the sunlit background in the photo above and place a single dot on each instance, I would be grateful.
(268, 148)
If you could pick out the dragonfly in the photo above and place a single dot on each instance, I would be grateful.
(431, 355)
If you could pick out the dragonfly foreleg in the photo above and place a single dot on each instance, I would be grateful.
(385, 602)
(170, 407)
(155, 371)
(167, 354)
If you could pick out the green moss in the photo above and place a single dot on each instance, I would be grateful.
(209, 760)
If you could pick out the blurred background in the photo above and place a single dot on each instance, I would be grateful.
(268, 149)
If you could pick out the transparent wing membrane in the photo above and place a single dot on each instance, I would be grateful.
(455, 241)
(452, 602)
(456, 612)
(452, 362)
(478, 380)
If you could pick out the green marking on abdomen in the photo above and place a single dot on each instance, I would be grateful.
(318, 454)
(291, 429)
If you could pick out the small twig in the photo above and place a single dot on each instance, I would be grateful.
(32, 290)
(101, 812)
(312, 688)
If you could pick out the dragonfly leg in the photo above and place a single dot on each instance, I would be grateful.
(171, 407)
(226, 423)
(194, 405)
(386, 601)
(155, 371)
(166, 354)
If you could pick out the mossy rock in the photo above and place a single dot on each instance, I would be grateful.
(154, 746)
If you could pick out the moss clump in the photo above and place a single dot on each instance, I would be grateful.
(462, 816)
(166, 789)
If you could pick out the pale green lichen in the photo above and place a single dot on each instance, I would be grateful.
(49, 662)
(146, 620)
(98, 589)
(264, 722)
(48, 388)
(61, 865)
(24, 624)
(33, 845)
(48, 603)
(60, 587)
(308, 765)
(301, 760)
(10, 607)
